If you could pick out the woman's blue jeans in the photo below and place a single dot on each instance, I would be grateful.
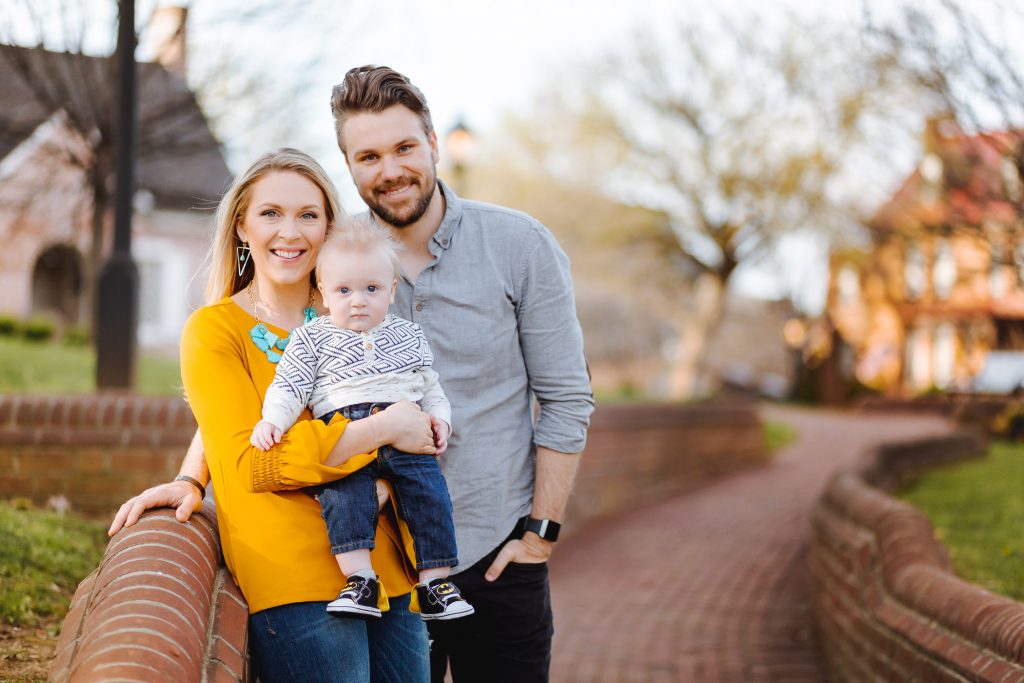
(302, 642)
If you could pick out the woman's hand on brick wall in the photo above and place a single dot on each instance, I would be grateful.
(181, 495)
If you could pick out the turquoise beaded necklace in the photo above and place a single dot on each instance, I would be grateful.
(267, 341)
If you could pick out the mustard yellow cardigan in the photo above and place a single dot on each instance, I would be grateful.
(273, 537)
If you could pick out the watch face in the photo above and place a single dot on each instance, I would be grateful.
(544, 528)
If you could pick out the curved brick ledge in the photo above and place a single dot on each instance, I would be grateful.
(885, 599)
(158, 608)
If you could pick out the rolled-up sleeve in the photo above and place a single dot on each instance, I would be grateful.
(552, 344)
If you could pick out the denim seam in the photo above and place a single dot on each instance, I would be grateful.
(358, 544)
(434, 564)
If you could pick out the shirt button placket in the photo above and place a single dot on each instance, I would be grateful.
(420, 295)
(368, 351)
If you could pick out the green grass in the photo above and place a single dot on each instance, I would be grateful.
(43, 557)
(777, 435)
(977, 510)
(55, 368)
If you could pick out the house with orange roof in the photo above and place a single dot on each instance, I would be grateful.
(942, 283)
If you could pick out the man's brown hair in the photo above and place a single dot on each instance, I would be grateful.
(373, 89)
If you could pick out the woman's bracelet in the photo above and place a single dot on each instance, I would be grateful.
(194, 482)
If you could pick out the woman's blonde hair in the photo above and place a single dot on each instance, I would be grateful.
(224, 279)
(362, 235)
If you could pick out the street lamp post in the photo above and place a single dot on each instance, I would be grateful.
(117, 295)
(459, 143)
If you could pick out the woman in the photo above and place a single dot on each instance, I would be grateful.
(269, 228)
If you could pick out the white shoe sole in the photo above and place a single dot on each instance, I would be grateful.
(453, 614)
(352, 608)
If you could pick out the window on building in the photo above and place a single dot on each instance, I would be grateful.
(848, 284)
(914, 272)
(996, 278)
(1018, 262)
(945, 355)
(150, 291)
(1011, 180)
(917, 359)
(943, 269)
(931, 172)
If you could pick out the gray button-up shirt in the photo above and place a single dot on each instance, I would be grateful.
(497, 308)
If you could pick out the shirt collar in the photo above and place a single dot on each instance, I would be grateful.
(452, 216)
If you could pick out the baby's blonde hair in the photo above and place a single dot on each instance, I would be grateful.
(362, 235)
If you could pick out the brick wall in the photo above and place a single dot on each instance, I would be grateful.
(885, 599)
(638, 454)
(97, 450)
(161, 608)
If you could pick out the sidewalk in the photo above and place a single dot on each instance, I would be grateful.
(710, 586)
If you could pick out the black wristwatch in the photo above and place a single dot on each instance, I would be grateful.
(545, 528)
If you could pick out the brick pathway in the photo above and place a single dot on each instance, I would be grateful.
(710, 586)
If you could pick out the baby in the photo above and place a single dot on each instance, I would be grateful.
(356, 361)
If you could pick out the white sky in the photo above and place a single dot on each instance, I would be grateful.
(472, 58)
(480, 59)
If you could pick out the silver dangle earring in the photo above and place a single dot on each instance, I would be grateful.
(243, 253)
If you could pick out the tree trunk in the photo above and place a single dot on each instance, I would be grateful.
(695, 330)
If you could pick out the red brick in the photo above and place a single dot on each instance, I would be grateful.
(91, 416)
(48, 459)
(55, 435)
(76, 412)
(231, 622)
(223, 651)
(82, 485)
(218, 672)
(7, 409)
(93, 460)
(23, 412)
(16, 436)
(59, 413)
(150, 461)
(110, 415)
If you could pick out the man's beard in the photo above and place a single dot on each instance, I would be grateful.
(396, 221)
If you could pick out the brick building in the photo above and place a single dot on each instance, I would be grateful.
(46, 201)
(942, 283)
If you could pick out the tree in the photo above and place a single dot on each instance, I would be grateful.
(63, 63)
(738, 134)
(620, 311)
(967, 59)
(82, 89)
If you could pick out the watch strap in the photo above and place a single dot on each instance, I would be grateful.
(545, 528)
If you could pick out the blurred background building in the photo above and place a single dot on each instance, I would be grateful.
(942, 284)
(48, 190)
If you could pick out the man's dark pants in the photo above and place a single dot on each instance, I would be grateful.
(508, 639)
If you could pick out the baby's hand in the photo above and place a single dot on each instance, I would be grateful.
(442, 430)
(265, 435)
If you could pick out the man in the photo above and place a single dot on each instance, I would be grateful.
(493, 293)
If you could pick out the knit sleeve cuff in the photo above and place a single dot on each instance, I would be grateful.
(266, 471)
